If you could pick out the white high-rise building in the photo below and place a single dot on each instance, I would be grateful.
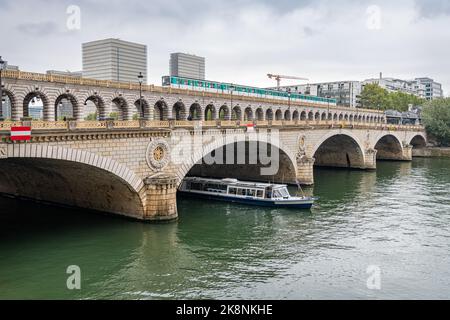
(346, 93)
(114, 60)
(187, 66)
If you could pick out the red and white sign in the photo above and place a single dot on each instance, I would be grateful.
(250, 127)
(20, 133)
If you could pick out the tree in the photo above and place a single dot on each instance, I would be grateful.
(375, 97)
(436, 117)
(91, 117)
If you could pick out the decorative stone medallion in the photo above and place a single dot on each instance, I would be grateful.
(158, 155)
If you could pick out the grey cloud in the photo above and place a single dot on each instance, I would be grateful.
(432, 8)
(39, 28)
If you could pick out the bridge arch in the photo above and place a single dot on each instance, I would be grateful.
(142, 109)
(210, 112)
(236, 113)
(195, 112)
(160, 110)
(269, 114)
(303, 116)
(418, 141)
(389, 147)
(68, 98)
(32, 98)
(248, 114)
(179, 111)
(120, 106)
(278, 115)
(224, 113)
(287, 115)
(99, 104)
(71, 177)
(295, 115)
(259, 114)
(287, 161)
(339, 150)
(9, 94)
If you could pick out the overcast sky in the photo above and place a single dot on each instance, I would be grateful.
(323, 40)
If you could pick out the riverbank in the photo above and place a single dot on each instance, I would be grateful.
(432, 152)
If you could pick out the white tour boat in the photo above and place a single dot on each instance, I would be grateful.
(232, 190)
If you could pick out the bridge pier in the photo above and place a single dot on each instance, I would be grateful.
(305, 170)
(161, 199)
(370, 159)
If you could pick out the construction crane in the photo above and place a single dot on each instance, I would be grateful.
(279, 77)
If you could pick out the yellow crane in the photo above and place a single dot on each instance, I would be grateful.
(279, 77)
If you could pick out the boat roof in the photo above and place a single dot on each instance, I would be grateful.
(236, 183)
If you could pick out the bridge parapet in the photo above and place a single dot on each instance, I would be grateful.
(45, 126)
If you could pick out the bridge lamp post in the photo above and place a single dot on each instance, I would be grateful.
(141, 79)
(1, 87)
(289, 98)
(232, 87)
(328, 110)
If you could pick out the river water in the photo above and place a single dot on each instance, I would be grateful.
(372, 235)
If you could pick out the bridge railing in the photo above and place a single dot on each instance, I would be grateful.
(60, 126)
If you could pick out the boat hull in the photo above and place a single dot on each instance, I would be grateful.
(294, 204)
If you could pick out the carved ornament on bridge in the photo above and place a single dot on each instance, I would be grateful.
(301, 148)
(3, 152)
(158, 155)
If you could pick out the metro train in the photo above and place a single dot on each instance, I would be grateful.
(220, 87)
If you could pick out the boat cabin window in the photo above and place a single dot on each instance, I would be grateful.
(251, 192)
(277, 194)
(232, 191)
(284, 192)
(260, 193)
(241, 192)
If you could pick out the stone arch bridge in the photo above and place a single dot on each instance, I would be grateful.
(133, 167)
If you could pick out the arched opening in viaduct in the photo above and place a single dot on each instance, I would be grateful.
(248, 114)
(8, 105)
(119, 109)
(340, 151)
(66, 107)
(195, 112)
(287, 115)
(93, 108)
(269, 114)
(210, 113)
(179, 111)
(245, 163)
(160, 111)
(224, 113)
(141, 110)
(259, 114)
(36, 106)
(236, 114)
(278, 115)
(303, 116)
(389, 148)
(69, 183)
(295, 116)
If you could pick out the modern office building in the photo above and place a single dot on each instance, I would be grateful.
(114, 60)
(346, 93)
(432, 89)
(187, 66)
